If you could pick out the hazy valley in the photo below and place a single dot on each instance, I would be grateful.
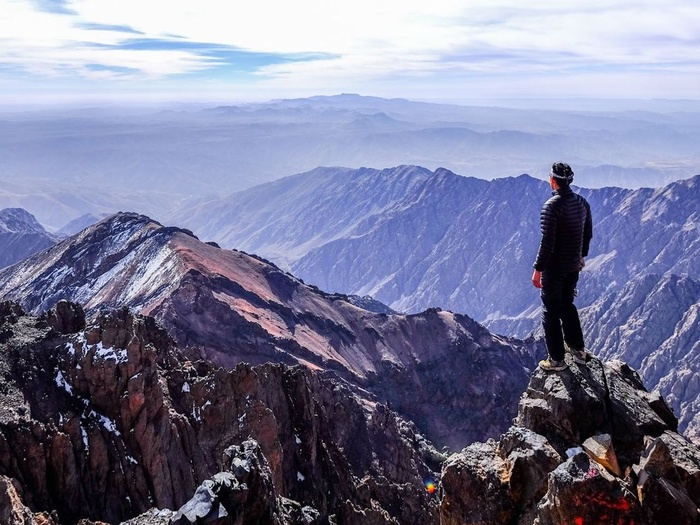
(160, 161)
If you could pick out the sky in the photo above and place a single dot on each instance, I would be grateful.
(429, 49)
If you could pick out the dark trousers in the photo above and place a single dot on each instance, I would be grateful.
(559, 315)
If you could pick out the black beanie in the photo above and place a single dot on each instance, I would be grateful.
(562, 172)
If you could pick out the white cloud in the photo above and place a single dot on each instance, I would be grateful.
(365, 42)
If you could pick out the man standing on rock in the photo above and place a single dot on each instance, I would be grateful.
(567, 229)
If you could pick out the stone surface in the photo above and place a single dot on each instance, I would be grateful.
(601, 450)
(530, 458)
(477, 479)
(13, 511)
(539, 473)
(112, 421)
(66, 317)
(581, 491)
(665, 502)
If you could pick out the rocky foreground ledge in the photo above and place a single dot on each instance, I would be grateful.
(589, 446)
(107, 421)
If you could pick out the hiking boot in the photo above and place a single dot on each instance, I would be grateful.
(549, 365)
(580, 356)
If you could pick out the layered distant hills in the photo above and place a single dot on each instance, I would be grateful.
(159, 161)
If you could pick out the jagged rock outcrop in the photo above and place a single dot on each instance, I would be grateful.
(114, 422)
(12, 509)
(21, 235)
(589, 445)
(442, 370)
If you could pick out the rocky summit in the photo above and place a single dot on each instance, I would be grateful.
(589, 446)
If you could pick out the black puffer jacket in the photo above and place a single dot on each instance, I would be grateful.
(567, 229)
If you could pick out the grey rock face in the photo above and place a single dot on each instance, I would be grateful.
(119, 419)
(538, 472)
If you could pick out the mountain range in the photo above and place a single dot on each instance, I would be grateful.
(425, 239)
(158, 161)
(415, 239)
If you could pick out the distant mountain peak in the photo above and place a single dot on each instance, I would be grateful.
(80, 223)
(21, 235)
(19, 220)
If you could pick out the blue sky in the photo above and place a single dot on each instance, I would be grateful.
(437, 49)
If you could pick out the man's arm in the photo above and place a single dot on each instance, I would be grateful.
(548, 225)
(587, 231)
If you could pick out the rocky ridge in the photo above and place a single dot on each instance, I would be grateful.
(108, 420)
(448, 374)
(589, 445)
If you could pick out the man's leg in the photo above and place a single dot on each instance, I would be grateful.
(569, 314)
(551, 294)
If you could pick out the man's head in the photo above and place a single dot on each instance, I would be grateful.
(561, 174)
